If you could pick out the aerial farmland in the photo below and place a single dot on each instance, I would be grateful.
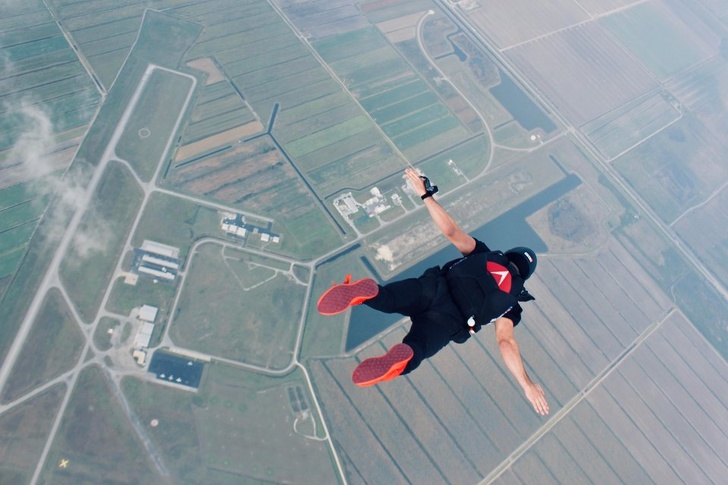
(181, 180)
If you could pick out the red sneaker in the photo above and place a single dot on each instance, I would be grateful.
(340, 297)
(384, 368)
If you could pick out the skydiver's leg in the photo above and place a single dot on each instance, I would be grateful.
(430, 332)
(407, 297)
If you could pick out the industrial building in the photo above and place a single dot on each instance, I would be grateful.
(157, 261)
(235, 225)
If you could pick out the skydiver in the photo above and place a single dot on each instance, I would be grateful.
(448, 303)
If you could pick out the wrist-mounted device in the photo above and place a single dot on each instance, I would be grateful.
(430, 189)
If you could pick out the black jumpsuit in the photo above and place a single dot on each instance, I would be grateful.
(436, 319)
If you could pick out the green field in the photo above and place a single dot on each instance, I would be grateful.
(200, 435)
(153, 121)
(409, 111)
(175, 222)
(87, 267)
(256, 178)
(124, 298)
(218, 108)
(320, 139)
(393, 95)
(253, 320)
(102, 338)
(53, 347)
(83, 439)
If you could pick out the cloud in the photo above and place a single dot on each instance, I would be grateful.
(33, 151)
(35, 140)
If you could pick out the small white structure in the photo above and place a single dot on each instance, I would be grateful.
(147, 313)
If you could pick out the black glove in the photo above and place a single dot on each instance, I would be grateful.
(429, 188)
(525, 296)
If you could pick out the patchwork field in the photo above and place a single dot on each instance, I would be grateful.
(439, 435)
(704, 91)
(218, 109)
(628, 125)
(40, 70)
(399, 101)
(255, 177)
(583, 71)
(512, 22)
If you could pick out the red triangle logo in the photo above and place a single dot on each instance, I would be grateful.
(501, 275)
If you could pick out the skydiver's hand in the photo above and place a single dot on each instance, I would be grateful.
(417, 184)
(535, 394)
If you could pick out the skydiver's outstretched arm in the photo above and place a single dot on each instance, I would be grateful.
(463, 241)
(512, 358)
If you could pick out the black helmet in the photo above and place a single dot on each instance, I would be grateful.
(524, 259)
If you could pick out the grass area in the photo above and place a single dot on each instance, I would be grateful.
(92, 415)
(9, 261)
(153, 121)
(200, 435)
(52, 347)
(176, 222)
(218, 315)
(102, 338)
(125, 297)
(307, 234)
(23, 433)
(87, 267)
